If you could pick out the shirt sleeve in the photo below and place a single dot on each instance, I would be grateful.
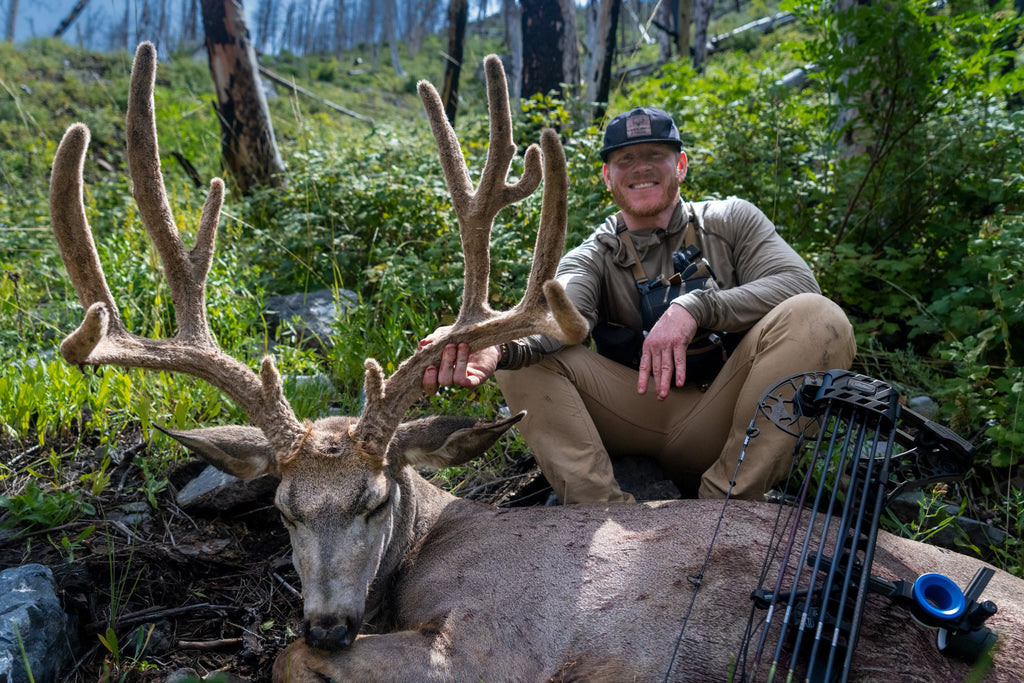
(761, 269)
(579, 274)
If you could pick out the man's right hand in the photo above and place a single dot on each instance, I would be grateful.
(458, 366)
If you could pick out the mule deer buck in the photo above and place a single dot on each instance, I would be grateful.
(403, 581)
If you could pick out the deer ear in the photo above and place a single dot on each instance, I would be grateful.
(445, 441)
(241, 451)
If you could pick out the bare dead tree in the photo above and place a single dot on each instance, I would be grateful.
(339, 27)
(542, 47)
(602, 25)
(66, 21)
(247, 135)
(514, 39)
(12, 17)
(391, 34)
(458, 13)
(684, 17)
(570, 46)
(666, 35)
(266, 22)
(190, 19)
(701, 18)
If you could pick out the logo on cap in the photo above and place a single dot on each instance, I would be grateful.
(638, 125)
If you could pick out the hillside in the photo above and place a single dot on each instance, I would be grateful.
(918, 239)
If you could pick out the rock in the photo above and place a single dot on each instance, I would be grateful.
(216, 490)
(156, 639)
(643, 478)
(907, 507)
(925, 405)
(32, 626)
(312, 315)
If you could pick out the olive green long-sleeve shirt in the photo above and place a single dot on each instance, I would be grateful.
(754, 267)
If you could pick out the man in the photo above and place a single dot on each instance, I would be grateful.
(583, 408)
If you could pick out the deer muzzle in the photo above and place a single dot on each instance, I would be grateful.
(330, 634)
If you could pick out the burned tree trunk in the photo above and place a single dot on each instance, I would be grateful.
(542, 47)
(602, 27)
(701, 19)
(458, 12)
(247, 135)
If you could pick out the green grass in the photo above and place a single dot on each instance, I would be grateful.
(366, 209)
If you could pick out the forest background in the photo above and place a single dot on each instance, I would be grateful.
(895, 166)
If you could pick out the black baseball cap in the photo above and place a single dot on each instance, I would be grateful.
(640, 124)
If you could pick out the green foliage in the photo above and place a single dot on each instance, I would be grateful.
(35, 506)
(909, 213)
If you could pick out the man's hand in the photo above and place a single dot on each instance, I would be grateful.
(664, 352)
(458, 366)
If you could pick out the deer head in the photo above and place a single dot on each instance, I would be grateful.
(347, 488)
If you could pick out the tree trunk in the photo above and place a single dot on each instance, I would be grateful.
(602, 28)
(458, 13)
(514, 38)
(339, 26)
(702, 16)
(391, 34)
(684, 16)
(12, 17)
(570, 47)
(542, 47)
(247, 135)
(664, 21)
(72, 15)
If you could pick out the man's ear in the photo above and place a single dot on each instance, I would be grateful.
(241, 451)
(604, 174)
(445, 441)
(682, 166)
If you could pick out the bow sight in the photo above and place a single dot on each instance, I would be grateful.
(846, 470)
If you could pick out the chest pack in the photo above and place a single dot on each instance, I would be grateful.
(707, 352)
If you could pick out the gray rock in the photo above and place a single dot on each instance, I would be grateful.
(312, 315)
(925, 405)
(643, 478)
(216, 490)
(32, 626)
(907, 507)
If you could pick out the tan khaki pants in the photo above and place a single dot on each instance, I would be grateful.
(583, 408)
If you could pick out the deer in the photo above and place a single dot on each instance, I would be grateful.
(403, 581)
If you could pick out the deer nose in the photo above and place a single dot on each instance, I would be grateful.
(329, 634)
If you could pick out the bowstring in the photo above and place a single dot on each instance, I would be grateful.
(696, 579)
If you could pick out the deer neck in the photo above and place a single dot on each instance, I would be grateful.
(422, 505)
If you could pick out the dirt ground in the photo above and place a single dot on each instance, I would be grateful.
(212, 590)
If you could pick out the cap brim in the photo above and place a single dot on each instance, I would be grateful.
(605, 151)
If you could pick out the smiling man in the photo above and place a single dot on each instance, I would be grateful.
(695, 308)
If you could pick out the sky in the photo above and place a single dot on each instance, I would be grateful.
(41, 17)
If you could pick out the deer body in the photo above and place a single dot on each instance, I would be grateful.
(402, 581)
(599, 593)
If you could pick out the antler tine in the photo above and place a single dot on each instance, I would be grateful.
(102, 339)
(476, 209)
(544, 309)
(186, 273)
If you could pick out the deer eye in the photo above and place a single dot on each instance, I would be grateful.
(379, 509)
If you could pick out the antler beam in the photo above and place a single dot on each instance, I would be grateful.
(102, 338)
(544, 308)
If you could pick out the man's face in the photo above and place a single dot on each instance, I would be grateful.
(644, 178)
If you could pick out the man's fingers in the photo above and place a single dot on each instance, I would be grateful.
(679, 354)
(645, 372)
(430, 381)
(461, 363)
(446, 370)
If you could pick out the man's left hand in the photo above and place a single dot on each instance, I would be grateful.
(664, 352)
